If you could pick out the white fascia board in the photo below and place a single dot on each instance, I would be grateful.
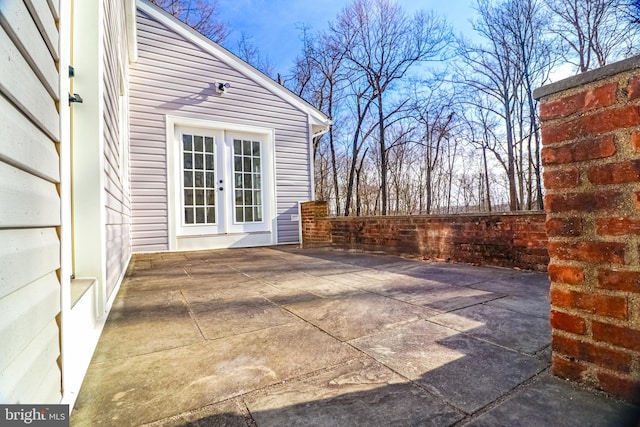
(131, 29)
(231, 60)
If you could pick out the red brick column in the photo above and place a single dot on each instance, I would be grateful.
(316, 230)
(591, 156)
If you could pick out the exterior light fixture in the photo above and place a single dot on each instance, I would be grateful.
(222, 87)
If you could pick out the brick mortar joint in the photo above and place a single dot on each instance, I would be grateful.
(581, 129)
(588, 318)
(593, 369)
(590, 340)
(591, 289)
(633, 374)
(582, 167)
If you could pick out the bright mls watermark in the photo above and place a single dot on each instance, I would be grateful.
(34, 415)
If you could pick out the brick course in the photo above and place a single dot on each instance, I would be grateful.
(567, 227)
(633, 88)
(568, 368)
(603, 305)
(592, 353)
(601, 96)
(582, 202)
(568, 323)
(627, 281)
(586, 149)
(591, 154)
(566, 274)
(562, 178)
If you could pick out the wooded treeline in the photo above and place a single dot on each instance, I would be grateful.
(428, 122)
(425, 121)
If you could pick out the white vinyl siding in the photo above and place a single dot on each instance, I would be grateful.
(29, 203)
(175, 77)
(117, 198)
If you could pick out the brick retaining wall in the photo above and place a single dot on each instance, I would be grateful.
(591, 155)
(505, 239)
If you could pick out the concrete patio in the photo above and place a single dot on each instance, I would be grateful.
(289, 337)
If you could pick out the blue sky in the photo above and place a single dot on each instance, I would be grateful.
(273, 24)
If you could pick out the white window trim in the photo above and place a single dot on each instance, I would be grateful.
(180, 242)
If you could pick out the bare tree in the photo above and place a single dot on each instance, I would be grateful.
(397, 150)
(434, 113)
(358, 173)
(386, 45)
(491, 72)
(515, 56)
(534, 54)
(632, 10)
(361, 133)
(400, 171)
(249, 52)
(481, 125)
(320, 75)
(201, 15)
(594, 32)
(327, 57)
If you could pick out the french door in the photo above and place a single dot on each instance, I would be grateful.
(221, 182)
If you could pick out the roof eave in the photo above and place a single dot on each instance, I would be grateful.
(232, 60)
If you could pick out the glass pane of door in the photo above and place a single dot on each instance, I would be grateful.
(247, 181)
(198, 182)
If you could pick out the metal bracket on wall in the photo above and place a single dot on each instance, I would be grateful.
(75, 97)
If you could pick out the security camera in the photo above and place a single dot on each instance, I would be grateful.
(222, 87)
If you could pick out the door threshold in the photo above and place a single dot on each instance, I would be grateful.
(221, 241)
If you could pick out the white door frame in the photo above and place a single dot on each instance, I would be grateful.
(218, 141)
(178, 241)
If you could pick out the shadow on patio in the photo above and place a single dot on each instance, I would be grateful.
(282, 336)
